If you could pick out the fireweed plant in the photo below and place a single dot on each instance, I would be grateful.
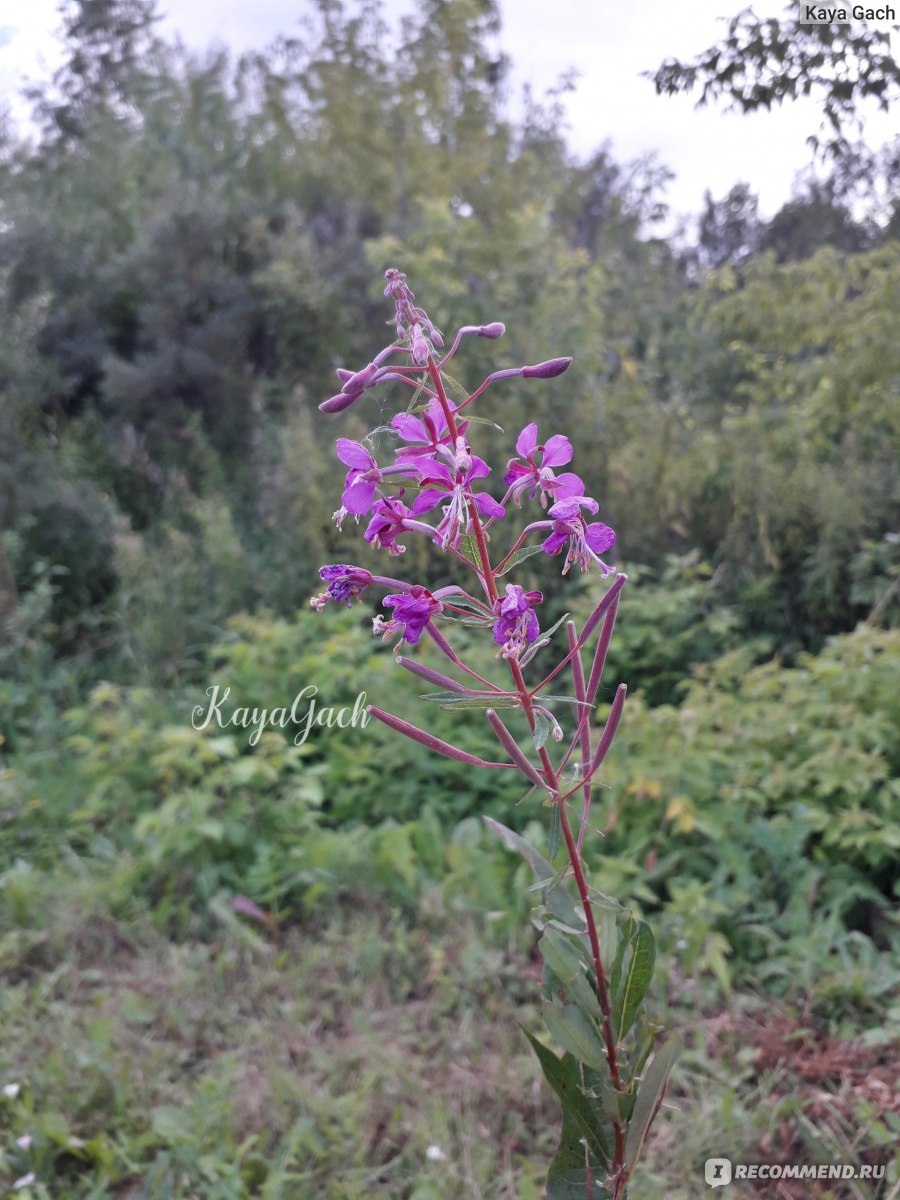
(598, 959)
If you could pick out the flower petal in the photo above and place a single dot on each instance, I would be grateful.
(488, 506)
(427, 500)
(599, 537)
(354, 454)
(557, 451)
(358, 497)
(565, 486)
(410, 428)
(527, 440)
(555, 541)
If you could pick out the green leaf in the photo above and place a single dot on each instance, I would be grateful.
(541, 730)
(607, 934)
(564, 958)
(468, 548)
(543, 640)
(470, 605)
(460, 619)
(543, 870)
(554, 832)
(553, 893)
(516, 558)
(636, 979)
(484, 421)
(578, 1110)
(649, 1096)
(451, 700)
(576, 1032)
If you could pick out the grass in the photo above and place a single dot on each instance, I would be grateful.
(358, 1055)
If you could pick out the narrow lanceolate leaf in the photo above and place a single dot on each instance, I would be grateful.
(455, 700)
(635, 980)
(543, 640)
(649, 1097)
(468, 548)
(466, 618)
(517, 557)
(564, 1077)
(482, 420)
(553, 834)
(550, 882)
(562, 954)
(576, 1032)
(541, 730)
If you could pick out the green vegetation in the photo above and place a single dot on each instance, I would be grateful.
(186, 249)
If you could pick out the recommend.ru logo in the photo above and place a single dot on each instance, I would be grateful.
(717, 1171)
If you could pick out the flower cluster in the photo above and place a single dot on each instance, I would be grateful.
(433, 459)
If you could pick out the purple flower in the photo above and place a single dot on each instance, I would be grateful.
(345, 584)
(387, 524)
(454, 484)
(427, 431)
(412, 612)
(517, 624)
(586, 542)
(364, 474)
(536, 471)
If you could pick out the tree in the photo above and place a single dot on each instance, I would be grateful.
(765, 62)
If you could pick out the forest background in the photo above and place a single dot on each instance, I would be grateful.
(189, 246)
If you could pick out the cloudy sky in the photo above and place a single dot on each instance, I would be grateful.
(608, 44)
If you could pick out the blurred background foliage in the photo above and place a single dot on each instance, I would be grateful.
(189, 246)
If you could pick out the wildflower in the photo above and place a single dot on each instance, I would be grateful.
(586, 542)
(388, 517)
(536, 472)
(11, 1090)
(364, 474)
(426, 431)
(24, 1142)
(412, 612)
(24, 1181)
(444, 483)
(345, 584)
(517, 623)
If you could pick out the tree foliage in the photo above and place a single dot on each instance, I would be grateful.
(763, 62)
(186, 252)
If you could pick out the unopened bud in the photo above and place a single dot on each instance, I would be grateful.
(547, 370)
(361, 380)
(495, 330)
(339, 402)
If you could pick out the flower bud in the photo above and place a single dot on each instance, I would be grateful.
(495, 330)
(547, 370)
(361, 380)
(339, 402)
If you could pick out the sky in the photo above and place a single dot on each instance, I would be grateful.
(608, 44)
